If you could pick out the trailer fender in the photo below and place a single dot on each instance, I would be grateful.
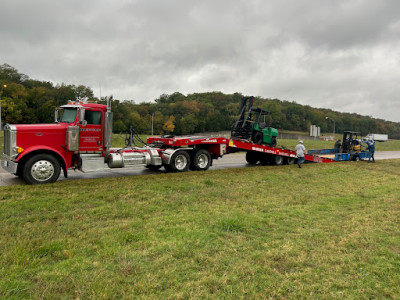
(167, 154)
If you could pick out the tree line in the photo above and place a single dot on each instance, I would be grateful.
(25, 100)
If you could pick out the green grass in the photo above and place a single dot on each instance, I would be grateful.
(326, 231)
(118, 140)
(391, 145)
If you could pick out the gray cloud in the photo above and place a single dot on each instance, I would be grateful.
(339, 54)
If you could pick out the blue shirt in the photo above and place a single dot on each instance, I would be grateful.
(371, 147)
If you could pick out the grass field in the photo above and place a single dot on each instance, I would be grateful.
(326, 231)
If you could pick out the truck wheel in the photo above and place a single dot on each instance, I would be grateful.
(41, 168)
(180, 161)
(252, 157)
(201, 160)
(278, 160)
(290, 160)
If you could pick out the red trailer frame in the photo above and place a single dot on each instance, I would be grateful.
(233, 145)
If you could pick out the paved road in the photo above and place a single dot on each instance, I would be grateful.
(229, 161)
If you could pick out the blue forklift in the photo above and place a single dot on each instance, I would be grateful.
(351, 149)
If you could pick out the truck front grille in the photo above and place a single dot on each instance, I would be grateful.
(10, 134)
(7, 141)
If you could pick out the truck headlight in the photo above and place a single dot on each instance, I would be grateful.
(18, 150)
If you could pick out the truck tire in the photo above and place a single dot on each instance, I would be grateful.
(252, 157)
(180, 161)
(201, 160)
(265, 159)
(278, 160)
(290, 160)
(41, 168)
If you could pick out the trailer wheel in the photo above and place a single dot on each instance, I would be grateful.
(278, 160)
(201, 160)
(180, 161)
(41, 168)
(290, 160)
(265, 159)
(252, 157)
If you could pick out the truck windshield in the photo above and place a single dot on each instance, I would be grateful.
(68, 115)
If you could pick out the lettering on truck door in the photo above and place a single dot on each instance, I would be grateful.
(91, 135)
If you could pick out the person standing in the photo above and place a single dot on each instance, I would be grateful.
(300, 152)
(338, 144)
(371, 149)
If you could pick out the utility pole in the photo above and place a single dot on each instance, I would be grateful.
(152, 123)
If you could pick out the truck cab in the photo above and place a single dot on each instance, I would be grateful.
(38, 152)
(89, 126)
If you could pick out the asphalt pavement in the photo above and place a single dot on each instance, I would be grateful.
(236, 160)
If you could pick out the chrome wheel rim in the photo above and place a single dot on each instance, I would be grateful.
(202, 161)
(279, 160)
(42, 170)
(180, 162)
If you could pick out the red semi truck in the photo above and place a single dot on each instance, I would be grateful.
(81, 137)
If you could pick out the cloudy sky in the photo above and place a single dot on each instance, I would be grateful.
(338, 54)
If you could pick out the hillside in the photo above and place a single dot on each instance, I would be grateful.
(25, 100)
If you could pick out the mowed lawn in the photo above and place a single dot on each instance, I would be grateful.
(326, 231)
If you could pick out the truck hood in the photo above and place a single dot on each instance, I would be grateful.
(41, 127)
(42, 136)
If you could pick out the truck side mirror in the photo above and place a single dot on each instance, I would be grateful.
(57, 115)
(82, 117)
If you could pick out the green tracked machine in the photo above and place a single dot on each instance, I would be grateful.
(251, 124)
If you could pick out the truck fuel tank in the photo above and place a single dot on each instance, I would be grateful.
(131, 159)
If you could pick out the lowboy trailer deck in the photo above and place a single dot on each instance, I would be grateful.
(219, 146)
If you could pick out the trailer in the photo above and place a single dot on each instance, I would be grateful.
(377, 137)
(352, 148)
(336, 155)
(218, 147)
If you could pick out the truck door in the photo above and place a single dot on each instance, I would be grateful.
(91, 134)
